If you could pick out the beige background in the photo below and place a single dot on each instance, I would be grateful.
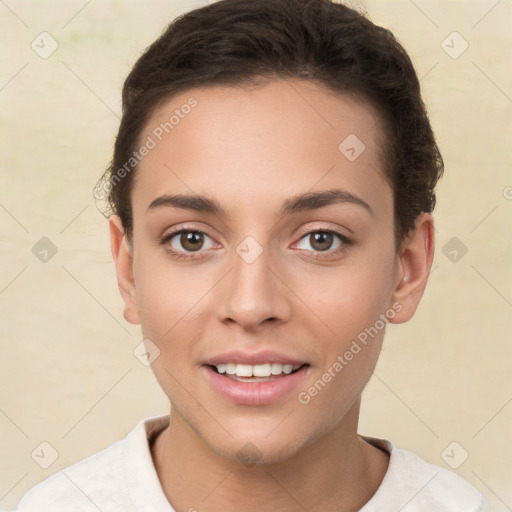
(68, 374)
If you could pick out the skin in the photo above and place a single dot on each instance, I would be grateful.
(250, 150)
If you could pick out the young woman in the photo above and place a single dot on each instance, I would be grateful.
(271, 192)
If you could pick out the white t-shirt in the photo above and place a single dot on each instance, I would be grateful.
(122, 478)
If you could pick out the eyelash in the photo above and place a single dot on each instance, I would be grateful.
(345, 242)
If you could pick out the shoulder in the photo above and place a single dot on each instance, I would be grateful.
(80, 486)
(102, 481)
(414, 485)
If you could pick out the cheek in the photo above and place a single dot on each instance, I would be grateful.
(175, 310)
(349, 298)
(166, 293)
(348, 354)
(352, 303)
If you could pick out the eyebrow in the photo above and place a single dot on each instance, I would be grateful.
(295, 204)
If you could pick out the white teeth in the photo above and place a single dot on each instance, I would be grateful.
(287, 368)
(243, 370)
(276, 368)
(261, 370)
(257, 370)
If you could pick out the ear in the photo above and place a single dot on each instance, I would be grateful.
(414, 262)
(123, 259)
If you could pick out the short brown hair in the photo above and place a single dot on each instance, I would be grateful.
(237, 42)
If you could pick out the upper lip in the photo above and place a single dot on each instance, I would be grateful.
(253, 358)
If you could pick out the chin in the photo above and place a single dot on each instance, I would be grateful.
(258, 451)
(253, 446)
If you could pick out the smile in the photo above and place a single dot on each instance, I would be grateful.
(259, 384)
(234, 370)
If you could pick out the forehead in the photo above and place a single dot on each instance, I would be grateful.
(251, 144)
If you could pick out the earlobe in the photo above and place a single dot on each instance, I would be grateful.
(123, 260)
(413, 267)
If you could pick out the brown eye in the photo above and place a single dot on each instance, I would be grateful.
(187, 243)
(322, 243)
(191, 240)
(321, 240)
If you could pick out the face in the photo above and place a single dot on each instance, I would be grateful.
(284, 274)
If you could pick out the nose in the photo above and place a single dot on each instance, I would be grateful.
(253, 293)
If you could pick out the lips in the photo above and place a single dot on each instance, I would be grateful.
(253, 358)
(254, 378)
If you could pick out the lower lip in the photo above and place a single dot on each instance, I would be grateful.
(255, 393)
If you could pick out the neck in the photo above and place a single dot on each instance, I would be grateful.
(338, 471)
